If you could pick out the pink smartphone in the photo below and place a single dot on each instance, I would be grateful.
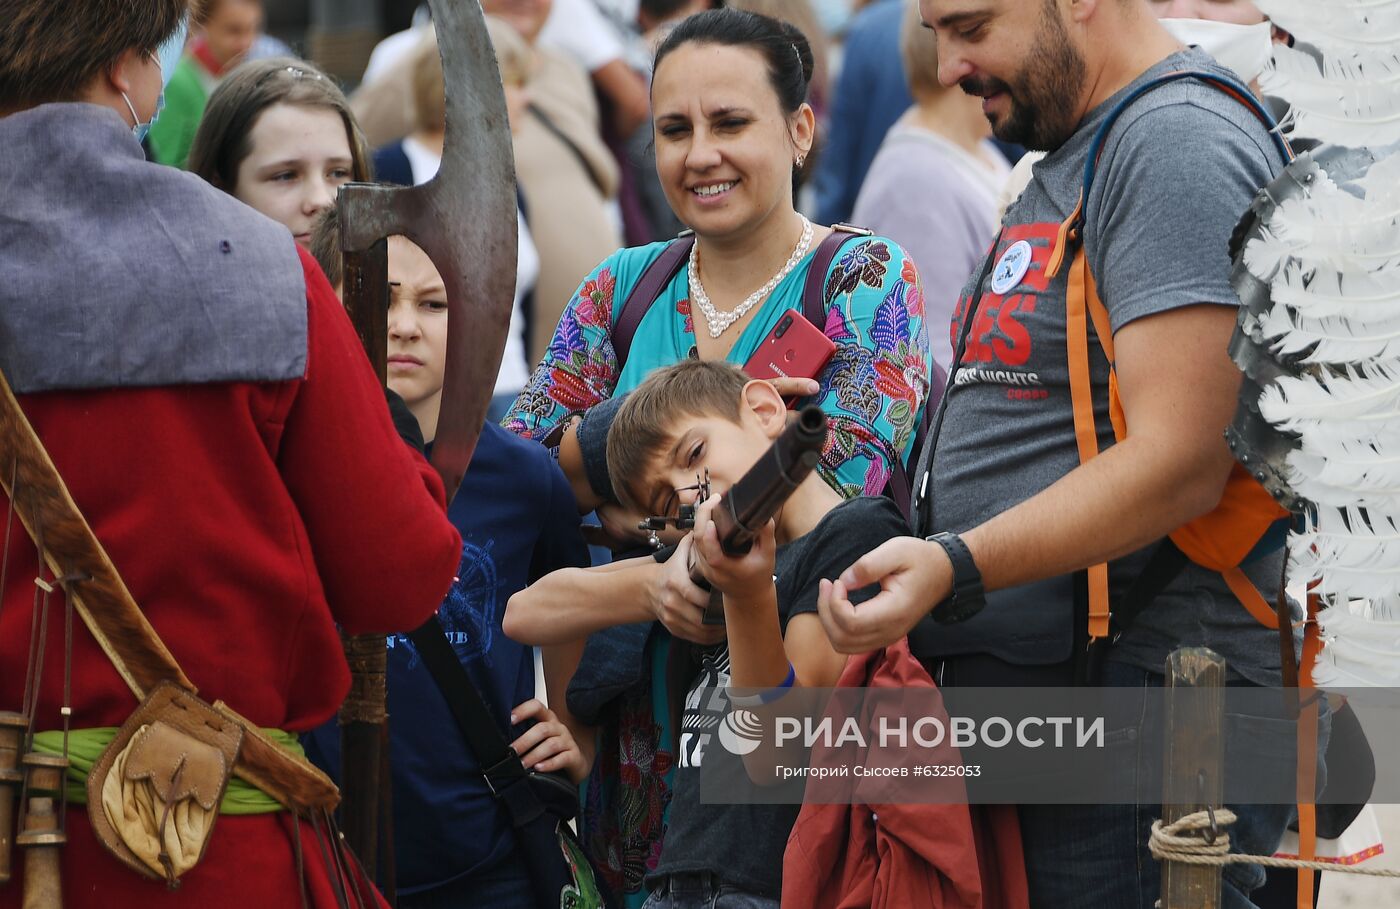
(794, 348)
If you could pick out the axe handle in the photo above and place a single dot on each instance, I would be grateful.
(366, 295)
(364, 757)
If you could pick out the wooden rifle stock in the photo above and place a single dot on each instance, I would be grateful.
(753, 501)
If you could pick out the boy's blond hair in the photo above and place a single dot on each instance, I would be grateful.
(653, 415)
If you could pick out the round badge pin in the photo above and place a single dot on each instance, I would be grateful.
(1012, 267)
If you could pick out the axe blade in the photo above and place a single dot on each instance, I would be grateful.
(465, 220)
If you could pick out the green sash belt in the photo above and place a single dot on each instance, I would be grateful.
(85, 746)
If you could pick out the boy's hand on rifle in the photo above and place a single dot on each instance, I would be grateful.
(678, 602)
(745, 578)
(547, 746)
(914, 576)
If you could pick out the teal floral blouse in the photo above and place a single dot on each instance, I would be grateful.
(872, 391)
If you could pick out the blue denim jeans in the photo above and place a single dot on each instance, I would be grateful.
(1096, 855)
(703, 891)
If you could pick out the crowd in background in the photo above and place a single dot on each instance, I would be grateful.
(576, 75)
(665, 153)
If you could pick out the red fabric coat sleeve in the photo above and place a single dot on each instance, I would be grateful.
(375, 512)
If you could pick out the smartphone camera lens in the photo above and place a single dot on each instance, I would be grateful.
(783, 325)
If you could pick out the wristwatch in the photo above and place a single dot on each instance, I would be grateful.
(968, 597)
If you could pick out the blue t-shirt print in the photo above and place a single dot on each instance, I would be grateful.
(468, 613)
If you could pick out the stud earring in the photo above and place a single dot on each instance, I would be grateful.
(801, 159)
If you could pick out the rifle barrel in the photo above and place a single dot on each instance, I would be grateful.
(753, 501)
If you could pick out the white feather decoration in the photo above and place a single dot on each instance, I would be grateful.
(1354, 85)
(1351, 96)
(1360, 649)
(1349, 552)
(1331, 675)
(1331, 257)
(1360, 393)
(1364, 477)
(1337, 339)
(1346, 23)
(1353, 229)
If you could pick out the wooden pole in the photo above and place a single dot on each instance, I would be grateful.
(1195, 758)
(364, 750)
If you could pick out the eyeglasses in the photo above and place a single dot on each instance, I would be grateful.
(683, 516)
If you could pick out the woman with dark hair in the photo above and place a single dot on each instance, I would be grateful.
(279, 136)
(732, 131)
(205, 401)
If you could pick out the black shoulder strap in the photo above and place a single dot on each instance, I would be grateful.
(500, 765)
(814, 310)
(814, 289)
(653, 280)
(919, 504)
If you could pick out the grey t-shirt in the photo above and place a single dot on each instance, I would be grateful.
(1178, 170)
(743, 843)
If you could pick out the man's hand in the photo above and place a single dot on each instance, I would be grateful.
(914, 576)
(548, 746)
(743, 579)
(678, 603)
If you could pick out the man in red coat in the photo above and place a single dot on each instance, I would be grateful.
(204, 397)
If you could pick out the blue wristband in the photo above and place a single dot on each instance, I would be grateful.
(763, 698)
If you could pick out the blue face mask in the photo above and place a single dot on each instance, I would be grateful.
(167, 57)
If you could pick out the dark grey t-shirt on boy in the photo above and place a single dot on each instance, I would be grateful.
(1178, 170)
(743, 844)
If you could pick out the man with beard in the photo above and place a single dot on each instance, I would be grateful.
(1015, 511)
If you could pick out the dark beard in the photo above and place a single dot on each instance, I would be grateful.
(1045, 91)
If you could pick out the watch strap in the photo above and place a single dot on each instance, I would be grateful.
(968, 596)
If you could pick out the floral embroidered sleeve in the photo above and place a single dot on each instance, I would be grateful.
(579, 369)
(874, 388)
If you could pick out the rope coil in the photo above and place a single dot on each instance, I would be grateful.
(1184, 840)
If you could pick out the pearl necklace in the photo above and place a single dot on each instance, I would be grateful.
(720, 321)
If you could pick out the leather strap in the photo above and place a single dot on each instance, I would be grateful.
(70, 549)
(814, 288)
(919, 516)
(500, 765)
(111, 614)
(1307, 753)
(664, 268)
(648, 287)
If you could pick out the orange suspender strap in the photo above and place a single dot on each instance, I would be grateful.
(1245, 591)
(1085, 432)
(1098, 313)
(1307, 754)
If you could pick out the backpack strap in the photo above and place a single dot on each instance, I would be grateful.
(1083, 305)
(653, 281)
(1071, 230)
(899, 487)
(814, 290)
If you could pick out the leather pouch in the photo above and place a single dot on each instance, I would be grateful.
(154, 794)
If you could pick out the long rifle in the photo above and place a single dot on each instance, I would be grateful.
(465, 220)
